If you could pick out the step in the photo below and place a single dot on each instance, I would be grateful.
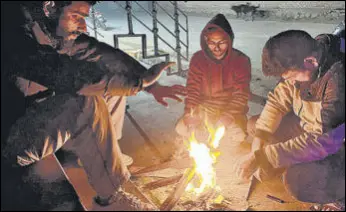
(156, 56)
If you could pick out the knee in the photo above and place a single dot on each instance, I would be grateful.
(236, 133)
(313, 182)
(181, 128)
(96, 107)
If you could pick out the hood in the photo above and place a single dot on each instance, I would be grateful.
(221, 22)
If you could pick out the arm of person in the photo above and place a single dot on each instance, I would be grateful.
(193, 86)
(114, 60)
(239, 94)
(312, 146)
(64, 75)
(99, 66)
(118, 62)
(160, 92)
(278, 104)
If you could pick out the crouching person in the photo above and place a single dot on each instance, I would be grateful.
(218, 84)
(300, 132)
(32, 132)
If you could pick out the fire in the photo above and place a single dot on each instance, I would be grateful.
(205, 156)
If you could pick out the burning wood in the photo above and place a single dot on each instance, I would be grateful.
(202, 176)
(199, 179)
(179, 164)
(170, 202)
(161, 183)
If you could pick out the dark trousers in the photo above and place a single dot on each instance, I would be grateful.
(45, 128)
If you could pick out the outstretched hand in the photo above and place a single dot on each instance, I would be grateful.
(246, 166)
(160, 92)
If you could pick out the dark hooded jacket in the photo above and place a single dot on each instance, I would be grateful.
(220, 87)
(87, 62)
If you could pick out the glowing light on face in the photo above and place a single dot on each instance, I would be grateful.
(217, 43)
(72, 20)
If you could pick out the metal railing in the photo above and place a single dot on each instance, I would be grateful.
(94, 27)
(156, 35)
(95, 31)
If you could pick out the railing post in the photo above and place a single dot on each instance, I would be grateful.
(94, 21)
(116, 41)
(129, 16)
(187, 37)
(144, 46)
(177, 35)
(155, 29)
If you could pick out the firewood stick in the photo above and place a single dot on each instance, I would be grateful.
(162, 183)
(138, 192)
(251, 187)
(170, 202)
(179, 164)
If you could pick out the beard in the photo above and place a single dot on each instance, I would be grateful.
(48, 26)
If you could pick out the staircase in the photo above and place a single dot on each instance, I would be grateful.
(156, 8)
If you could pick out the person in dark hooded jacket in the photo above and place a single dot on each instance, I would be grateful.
(218, 84)
(44, 42)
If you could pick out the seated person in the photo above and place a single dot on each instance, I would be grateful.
(218, 84)
(300, 133)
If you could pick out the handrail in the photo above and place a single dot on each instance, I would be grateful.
(178, 9)
(95, 30)
(182, 12)
(166, 28)
(165, 11)
(149, 29)
(156, 20)
(186, 30)
(183, 43)
(154, 29)
(143, 8)
(182, 27)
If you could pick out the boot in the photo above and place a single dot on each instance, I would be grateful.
(122, 200)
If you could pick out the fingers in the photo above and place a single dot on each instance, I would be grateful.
(179, 90)
(92, 90)
(181, 93)
(162, 102)
(175, 98)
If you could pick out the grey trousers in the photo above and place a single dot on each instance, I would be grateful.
(87, 123)
(320, 181)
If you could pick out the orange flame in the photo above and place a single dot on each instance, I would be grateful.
(204, 159)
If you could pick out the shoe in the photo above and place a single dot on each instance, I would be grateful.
(125, 201)
(126, 159)
(337, 206)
